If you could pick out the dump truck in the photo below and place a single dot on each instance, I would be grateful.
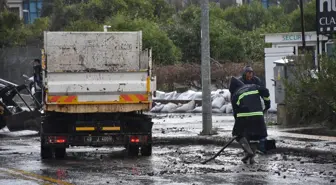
(97, 88)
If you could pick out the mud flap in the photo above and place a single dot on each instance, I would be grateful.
(25, 120)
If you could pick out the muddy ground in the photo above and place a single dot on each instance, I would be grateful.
(170, 164)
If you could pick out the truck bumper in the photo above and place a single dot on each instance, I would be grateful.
(97, 140)
(94, 108)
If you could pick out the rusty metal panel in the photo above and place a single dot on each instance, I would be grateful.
(98, 108)
(93, 51)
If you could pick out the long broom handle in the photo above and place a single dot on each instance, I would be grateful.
(227, 144)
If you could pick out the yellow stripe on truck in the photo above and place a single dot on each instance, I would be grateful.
(111, 128)
(123, 98)
(85, 129)
(62, 99)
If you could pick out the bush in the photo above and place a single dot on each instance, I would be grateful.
(312, 99)
(190, 74)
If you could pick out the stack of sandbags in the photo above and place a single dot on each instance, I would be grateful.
(169, 107)
(171, 95)
(157, 108)
(189, 95)
(186, 107)
(160, 95)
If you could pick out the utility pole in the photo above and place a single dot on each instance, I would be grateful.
(206, 94)
(302, 28)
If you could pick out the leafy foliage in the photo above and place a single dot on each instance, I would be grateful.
(311, 96)
(235, 32)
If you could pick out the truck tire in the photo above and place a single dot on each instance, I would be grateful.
(60, 153)
(133, 150)
(146, 150)
(46, 152)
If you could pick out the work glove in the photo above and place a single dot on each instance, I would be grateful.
(267, 106)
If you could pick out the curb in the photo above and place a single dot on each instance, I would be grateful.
(220, 141)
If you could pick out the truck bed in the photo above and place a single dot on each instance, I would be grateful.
(89, 72)
(93, 51)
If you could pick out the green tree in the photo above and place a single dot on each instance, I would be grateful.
(309, 15)
(164, 50)
(247, 17)
(3, 5)
(11, 32)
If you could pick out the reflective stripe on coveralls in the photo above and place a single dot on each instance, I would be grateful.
(249, 114)
(267, 98)
(246, 94)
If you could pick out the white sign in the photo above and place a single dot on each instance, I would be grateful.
(290, 37)
(326, 16)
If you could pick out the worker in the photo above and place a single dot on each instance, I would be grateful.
(37, 67)
(249, 114)
(37, 72)
(248, 77)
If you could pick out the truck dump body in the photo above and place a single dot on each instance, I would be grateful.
(97, 72)
(96, 86)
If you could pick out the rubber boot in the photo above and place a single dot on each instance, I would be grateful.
(246, 147)
(254, 149)
(262, 144)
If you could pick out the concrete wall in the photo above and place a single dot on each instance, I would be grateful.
(14, 62)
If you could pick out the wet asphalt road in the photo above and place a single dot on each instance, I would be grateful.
(21, 164)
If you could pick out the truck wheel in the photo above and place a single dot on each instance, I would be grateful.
(146, 150)
(46, 152)
(133, 150)
(60, 153)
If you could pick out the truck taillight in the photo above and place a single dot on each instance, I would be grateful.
(134, 139)
(57, 139)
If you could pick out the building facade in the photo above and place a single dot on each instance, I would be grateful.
(28, 10)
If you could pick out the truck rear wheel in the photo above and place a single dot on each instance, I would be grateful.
(46, 152)
(146, 150)
(60, 153)
(133, 150)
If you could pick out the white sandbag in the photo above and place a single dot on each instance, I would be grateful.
(186, 107)
(186, 95)
(223, 108)
(227, 95)
(198, 96)
(218, 102)
(169, 107)
(216, 110)
(228, 108)
(157, 108)
(197, 109)
(170, 95)
(160, 95)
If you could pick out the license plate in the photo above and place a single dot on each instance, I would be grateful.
(99, 139)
